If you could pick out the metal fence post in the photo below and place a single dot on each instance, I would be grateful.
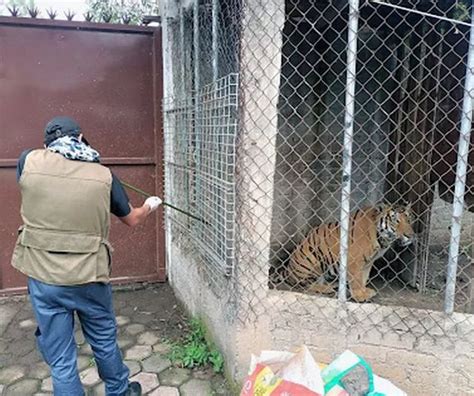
(347, 150)
(197, 93)
(167, 92)
(215, 39)
(182, 60)
(197, 64)
(461, 173)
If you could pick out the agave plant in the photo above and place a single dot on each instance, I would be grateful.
(33, 11)
(126, 19)
(107, 17)
(69, 15)
(51, 13)
(88, 16)
(15, 11)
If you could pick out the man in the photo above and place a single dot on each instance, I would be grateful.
(63, 248)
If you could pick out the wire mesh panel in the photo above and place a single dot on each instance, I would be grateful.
(201, 160)
(215, 172)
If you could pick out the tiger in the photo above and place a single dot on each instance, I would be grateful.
(314, 263)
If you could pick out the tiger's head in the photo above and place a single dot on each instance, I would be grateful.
(395, 224)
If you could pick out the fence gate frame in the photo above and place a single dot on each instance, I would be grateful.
(148, 167)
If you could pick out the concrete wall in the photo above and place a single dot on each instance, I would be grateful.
(439, 240)
(190, 284)
(440, 225)
(422, 352)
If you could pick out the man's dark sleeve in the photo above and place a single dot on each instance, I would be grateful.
(119, 202)
(21, 163)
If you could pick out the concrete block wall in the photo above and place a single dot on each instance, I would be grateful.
(434, 359)
(191, 287)
(422, 352)
(440, 225)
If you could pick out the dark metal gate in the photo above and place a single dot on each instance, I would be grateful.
(107, 77)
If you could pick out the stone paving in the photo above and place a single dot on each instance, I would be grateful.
(147, 319)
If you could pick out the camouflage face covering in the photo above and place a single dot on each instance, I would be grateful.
(72, 148)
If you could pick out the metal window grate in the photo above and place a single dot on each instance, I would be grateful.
(200, 136)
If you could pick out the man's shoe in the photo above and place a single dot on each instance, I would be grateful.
(134, 389)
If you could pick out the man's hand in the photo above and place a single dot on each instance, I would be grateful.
(153, 203)
(138, 215)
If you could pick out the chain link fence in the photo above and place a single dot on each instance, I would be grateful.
(372, 158)
(411, 67)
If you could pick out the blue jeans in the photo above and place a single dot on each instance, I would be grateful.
(54, 308)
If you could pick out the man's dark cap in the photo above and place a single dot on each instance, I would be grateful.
(59, 127)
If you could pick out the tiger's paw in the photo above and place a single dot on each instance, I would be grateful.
(321, 289)
(363, 295)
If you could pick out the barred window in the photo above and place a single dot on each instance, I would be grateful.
(201, 124)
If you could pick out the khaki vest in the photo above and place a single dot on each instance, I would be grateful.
(65, 207)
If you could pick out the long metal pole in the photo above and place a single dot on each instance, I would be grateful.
(215, 39)
(168, 72)
(197, 97)
(197, 57)
(183, 123)
(411, 10)
(347, 150)
(461, 172)
(182, 54)
(147, 195)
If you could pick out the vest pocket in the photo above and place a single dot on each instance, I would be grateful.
(60, 242)
(62, 258)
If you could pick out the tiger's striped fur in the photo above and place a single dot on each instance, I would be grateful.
(314, 264)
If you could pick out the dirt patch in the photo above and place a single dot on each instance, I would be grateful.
(155, 306)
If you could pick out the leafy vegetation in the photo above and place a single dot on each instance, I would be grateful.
(194, 351)
(116, 11)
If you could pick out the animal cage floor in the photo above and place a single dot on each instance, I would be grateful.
(397, 293)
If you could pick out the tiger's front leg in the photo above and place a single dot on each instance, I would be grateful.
(363, 295)
(358, 277)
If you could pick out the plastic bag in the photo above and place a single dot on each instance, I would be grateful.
(351, 374)
(275, 373)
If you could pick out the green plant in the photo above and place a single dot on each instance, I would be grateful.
(461, 12)
(217, 361)
(115, 11)
(21, 8)
(194, 350)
